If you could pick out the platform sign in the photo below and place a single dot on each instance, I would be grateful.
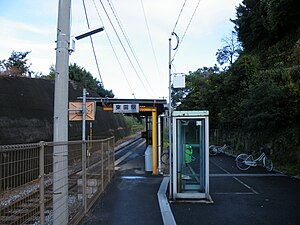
(126, 108)
(75, 111)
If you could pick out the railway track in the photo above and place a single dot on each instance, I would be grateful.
(25, 209)
(22, 206)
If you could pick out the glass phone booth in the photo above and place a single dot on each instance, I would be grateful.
(190, 167)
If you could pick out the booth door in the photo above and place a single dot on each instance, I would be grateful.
(191, 156)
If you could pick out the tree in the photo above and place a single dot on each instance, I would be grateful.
(83, 77)
(16, 65)
(201, 92)
(250, 24)
(261, 23)
(230, 50)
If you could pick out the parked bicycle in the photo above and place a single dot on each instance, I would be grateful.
(214, 149)
(165, 158)
(244, 161)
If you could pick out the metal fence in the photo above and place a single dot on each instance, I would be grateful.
(26, 180)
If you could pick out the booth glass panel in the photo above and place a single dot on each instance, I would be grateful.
(191, 157)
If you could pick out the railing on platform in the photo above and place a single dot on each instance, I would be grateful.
(26, 179)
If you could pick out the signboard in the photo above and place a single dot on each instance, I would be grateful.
(126, 108)
(75, 111)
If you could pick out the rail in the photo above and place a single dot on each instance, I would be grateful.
(26, 175)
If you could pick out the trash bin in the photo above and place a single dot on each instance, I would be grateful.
(148, 159)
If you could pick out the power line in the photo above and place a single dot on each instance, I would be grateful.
(110, 42)
(150, 38)
(124, 47)
(127, 40)
(187, 28)
(92, 43)
(179, 15)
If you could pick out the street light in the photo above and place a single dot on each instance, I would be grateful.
(89, 33)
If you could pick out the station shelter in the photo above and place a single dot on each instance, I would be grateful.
(152, 110)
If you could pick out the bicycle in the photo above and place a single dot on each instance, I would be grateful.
(165, 158)
(214, 149)
(244, 161)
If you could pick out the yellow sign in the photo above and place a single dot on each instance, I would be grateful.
(75, 111)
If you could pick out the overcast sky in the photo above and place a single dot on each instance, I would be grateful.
(30, 25)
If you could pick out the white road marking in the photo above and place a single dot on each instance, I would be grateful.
(238, 180)
(247, 175)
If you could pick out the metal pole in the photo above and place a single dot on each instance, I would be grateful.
(159, 143)
(169, 122)
(102, 168)
(42, 186)
(154, 141)
(84, 200)
(60, 123)
(90, 145)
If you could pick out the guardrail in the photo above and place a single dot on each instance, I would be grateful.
(26, 179)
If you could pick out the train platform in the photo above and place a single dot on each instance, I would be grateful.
(131, 198)
(239, 198)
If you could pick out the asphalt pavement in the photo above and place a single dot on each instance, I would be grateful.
(243, 197)
(131, 198)
(239, 197)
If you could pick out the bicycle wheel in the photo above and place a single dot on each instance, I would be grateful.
(240, 161)
(228, 150)
(213, 150)
(165, 158)
(268, 164)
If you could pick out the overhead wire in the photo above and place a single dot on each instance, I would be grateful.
(92, 43)
(181, 10)
(150, 38)
(127, 40)
(130, 61)
(117, 58)
(189, 23)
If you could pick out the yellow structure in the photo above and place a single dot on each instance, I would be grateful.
(154, 135)
(153, 110)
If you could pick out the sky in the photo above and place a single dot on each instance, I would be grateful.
(141, 71)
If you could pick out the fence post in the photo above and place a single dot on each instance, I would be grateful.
(42, 186)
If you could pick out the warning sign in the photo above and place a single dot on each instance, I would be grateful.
(75, 111)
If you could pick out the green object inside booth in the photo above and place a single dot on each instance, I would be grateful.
(188, 154)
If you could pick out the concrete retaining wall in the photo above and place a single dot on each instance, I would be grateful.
(26, 112)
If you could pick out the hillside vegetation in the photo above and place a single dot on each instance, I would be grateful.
(256, 99)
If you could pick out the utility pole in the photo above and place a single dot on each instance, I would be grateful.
(60, 123)
(170, 117)
(170, 109)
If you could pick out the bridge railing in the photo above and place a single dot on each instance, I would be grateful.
(26, 179)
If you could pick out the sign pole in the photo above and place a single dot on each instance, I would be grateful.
(84, 202)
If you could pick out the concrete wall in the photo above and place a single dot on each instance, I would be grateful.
(26, 112)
